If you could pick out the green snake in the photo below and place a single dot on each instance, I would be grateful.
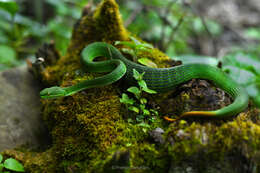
(158, 79)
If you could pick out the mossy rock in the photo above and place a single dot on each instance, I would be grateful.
(90, 131)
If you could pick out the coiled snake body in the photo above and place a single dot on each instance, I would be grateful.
(158, 79)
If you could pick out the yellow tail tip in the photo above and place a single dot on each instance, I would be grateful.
(170, 119)
(198, 113)
(191, 114)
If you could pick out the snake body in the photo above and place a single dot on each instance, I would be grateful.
(158, 79)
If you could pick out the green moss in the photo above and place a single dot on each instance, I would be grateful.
(215, 141)
(108, 19)
(145, 157)
(34, 162)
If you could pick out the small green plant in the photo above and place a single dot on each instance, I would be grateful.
(10, 164)
(134, 47)
(138, 105)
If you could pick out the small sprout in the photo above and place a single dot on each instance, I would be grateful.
(137, 75)
(143, 100)
(146, 112)
(11, 164)
(136, 91)
(138, 106)
(147, 62)
(134, 109)
(126, 100)
(149, 91)
(142, 84)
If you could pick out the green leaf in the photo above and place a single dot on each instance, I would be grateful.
(1, 158)
(144, 87)
(147, 62)
(142, 84)
(142, 106)
(146, 112)
(7, 55)
(143, 100)
(126, 100)
(253, 33)
(150, 91)
(9, 5)
(136, 91)
(126, 43)
(128, 51)
(13, 165)
(134, 109)
(137, 75)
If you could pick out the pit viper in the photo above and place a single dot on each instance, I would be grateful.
(158, 79)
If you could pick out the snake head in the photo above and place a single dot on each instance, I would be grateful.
(52, 92)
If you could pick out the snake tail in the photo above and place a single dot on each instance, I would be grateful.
(192, 114)
(221, 80)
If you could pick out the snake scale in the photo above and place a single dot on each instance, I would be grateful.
(158, 79)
